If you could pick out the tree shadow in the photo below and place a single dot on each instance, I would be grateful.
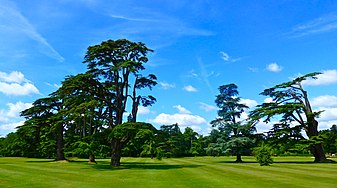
(138, 165)
(234, 162)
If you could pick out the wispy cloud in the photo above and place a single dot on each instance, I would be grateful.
(12, 20)
(207, 107)
(133, 19)
(166, 86)
(182, 110)
(323, 24)
(224, 56)
(190, 88)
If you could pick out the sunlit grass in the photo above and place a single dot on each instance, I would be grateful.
(178, 172)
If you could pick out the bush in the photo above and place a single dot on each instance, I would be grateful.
(263, 155)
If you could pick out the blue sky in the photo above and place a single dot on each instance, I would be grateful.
(198, 46)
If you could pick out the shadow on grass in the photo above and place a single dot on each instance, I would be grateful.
(138, 165)
(283, 162)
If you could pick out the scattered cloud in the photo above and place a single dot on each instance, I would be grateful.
(143, 110)
(268, 100)
(12, 21)
(10, 117)
(183, 120)
(274, 67)
(14, 76)
(53, 85)
(190, 88)
(15, 84)
(253, 69)
(227, 58)
(324, 24)
(182, 110)
(324, 101)
(206, 107)
(165, 85)
(327, 77)
(15, 109)
(10, 127)
(249, 102)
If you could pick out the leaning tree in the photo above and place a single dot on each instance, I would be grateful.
(117, 65)
(291, 103)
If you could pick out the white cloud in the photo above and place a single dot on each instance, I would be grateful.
(143, 110)
(17, 89)
(190, 88)
(207, 107)
(268, 100)
(274, 67)
(184, 120)
(324, 101)
(13, 77)
(15, 109)
(326, 78)
(10, 127)
(15, 84)
(182, 110)
(249, 102)
(165, 85)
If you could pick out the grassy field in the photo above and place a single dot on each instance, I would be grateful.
(181, 172)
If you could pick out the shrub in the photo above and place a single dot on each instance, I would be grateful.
(263, 155)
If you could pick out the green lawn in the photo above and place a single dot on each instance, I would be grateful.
(182, 172)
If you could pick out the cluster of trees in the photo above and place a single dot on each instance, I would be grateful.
(84, 117)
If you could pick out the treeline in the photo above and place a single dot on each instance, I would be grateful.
(85, 117)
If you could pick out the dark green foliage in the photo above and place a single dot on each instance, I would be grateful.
(329, 138)
(235, 134)
(291, 102)
(263, 155)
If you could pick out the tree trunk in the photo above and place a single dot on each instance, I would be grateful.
(317, 149)
(238, 158)
(116, 152)
(92, 158)
(60, 146)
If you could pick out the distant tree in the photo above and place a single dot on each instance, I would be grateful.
(228, 122)
(291, 102)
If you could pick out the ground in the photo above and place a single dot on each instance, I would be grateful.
(177, 172)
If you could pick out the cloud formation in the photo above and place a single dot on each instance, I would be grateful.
(182, 110)
(190, 88)
(274, 67)
(206, 107)
(327, 77)
(165, 85)
(184, 118)
(15, 84)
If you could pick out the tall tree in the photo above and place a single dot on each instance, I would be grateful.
(230, 111)
(291, 101)
(114, 64)
(83, 106)
(45, 112)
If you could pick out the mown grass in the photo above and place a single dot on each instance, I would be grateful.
(179, 172)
